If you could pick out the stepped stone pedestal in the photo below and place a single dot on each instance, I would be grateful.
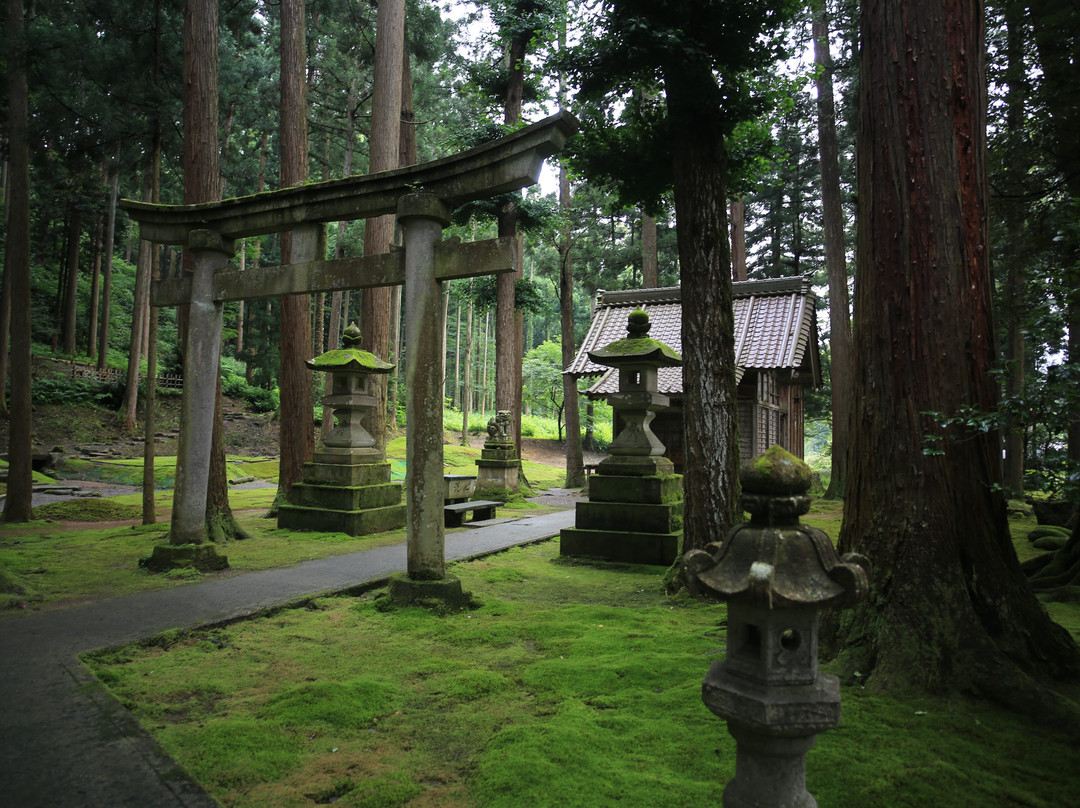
(347, 488)
(498, 466)
(634, 513)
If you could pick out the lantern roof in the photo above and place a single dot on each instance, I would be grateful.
(636, 348)
(773, 561)
(349, 358)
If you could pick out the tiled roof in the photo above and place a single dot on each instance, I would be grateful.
(775, 326)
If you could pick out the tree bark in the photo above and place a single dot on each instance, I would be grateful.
(18, 504)
(710, 416)
(738, 240)
(650, 264)
(835, 258)
(297, 436)
(507, 329)
(466, 398)
(1014, 211)
(106, 284)
(71, 292)
(949, 607)
(139, 312)
(575, 462)
(384, 154)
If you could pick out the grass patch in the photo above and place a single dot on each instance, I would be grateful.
(573, 684)
(88, 510)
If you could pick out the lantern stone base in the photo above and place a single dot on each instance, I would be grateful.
(631, 518)
(341, 496)
(628, 547)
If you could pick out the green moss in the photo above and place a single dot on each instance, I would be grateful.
(349, 359)
(88, 510)
(636, 349)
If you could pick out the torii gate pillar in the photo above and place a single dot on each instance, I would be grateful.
(423, 216)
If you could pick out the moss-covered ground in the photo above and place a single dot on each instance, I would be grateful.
(571, 685)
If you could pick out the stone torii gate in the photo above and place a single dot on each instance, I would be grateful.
(422, 196)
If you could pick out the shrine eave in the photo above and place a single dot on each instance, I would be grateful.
(502, 165)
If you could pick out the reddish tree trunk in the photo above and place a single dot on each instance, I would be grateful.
(18, 504)
(650, 265)
(575, 463)
(375, 314)
(835, 259)
(949, 607)
(71, 292)
(710, 416)
(297, 437)
(508, 336)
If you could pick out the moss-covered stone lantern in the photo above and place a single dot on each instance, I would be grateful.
(776, 576)
(635, 508)
(638, 359)
(347, 485)
(352, 396)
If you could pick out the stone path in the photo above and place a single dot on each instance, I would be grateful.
(65, 742)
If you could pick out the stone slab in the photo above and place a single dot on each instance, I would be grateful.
(631, 516)
(347, 475)
(654, 490)
(346, 498)
(352, 523)
(658, 549)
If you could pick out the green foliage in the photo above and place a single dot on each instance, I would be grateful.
(66, 389)
(235, 385)
(87, 510)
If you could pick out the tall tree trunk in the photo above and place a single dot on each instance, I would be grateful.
(710, 417)
(18, 504)
(466, 398)
(738, 240)
(835, 259)
(106, 285)
(375, 319)
(149, 512)
(575, 462)
(129, 406)
(1056, 27)
(297, 437)
(5, 311)
(71, 292)
(650, 264)
(932, 523)
(337, 299)
(507, 329)
(455, 388)
(407, 156)
(95, 289)
(1014, 210)
(484, 366)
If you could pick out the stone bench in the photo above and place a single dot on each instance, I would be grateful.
(454, 513)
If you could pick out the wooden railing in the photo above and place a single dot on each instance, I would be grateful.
(81, 370)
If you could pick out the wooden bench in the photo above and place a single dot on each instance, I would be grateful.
(454, 513)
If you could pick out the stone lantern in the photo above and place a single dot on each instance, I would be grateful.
(635, 508)
(347, 486)
(352, 397)
(638, 358)
(776, 576)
